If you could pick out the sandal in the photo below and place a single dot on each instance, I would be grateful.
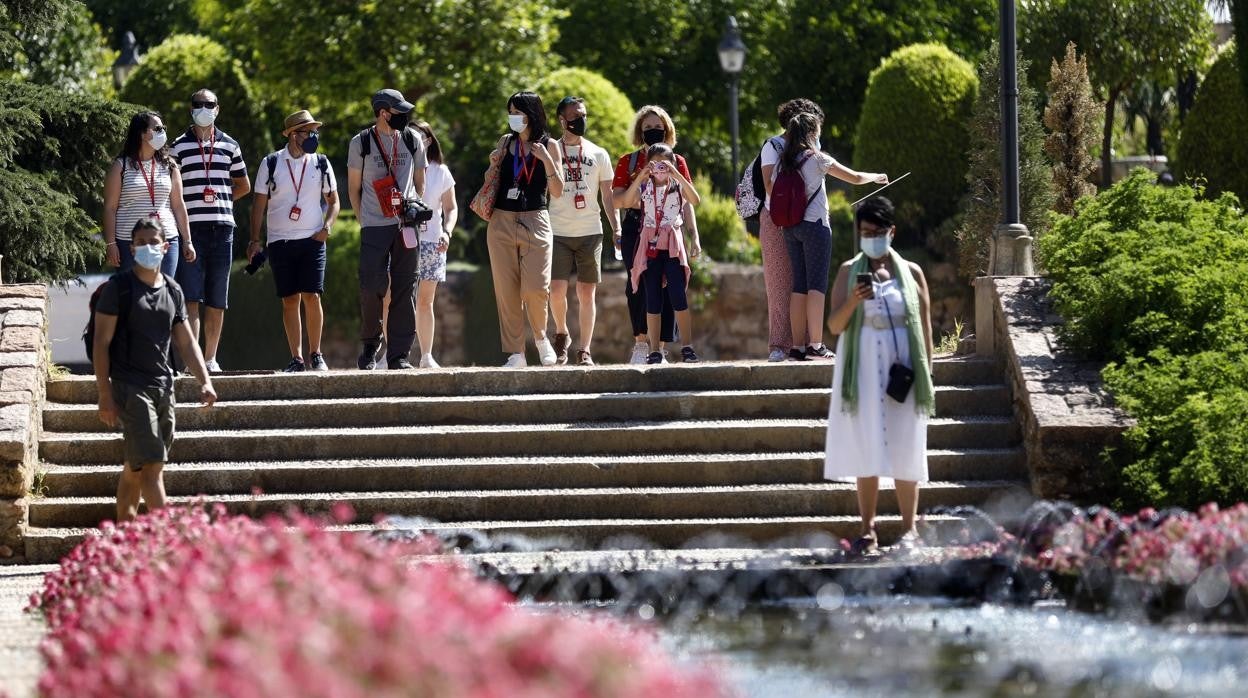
(583, 358)
(864, 545)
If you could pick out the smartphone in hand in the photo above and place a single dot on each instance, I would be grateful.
(865, 280)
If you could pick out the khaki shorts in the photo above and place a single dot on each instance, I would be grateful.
(146, 423)
(579, 255)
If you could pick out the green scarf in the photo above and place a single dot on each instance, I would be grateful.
(925, 401)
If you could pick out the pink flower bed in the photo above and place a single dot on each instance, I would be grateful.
(1157, 549)
(191, 602)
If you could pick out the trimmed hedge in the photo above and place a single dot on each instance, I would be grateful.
(720, 230)
(1213, 144)
(914, 119)
(1155, 281)
(610, 111)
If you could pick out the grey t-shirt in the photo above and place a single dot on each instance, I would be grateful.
(141, 357)
(374, 168)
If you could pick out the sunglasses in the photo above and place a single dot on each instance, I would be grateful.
(203, 104)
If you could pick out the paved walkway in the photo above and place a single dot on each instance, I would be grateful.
(20, 632)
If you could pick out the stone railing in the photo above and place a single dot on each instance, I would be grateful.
(1068, 418)
(23, 372)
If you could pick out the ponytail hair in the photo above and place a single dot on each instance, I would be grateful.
(802, 134)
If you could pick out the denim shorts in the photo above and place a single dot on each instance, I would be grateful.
(298, 266)
(207, 279)
(809, 245)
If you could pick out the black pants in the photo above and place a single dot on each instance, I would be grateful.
(386, 263)
(630, 237)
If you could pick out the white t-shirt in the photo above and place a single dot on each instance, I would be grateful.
(438, 180)
(312, 185)
(770, 155)
(814, 172)
(585, 168)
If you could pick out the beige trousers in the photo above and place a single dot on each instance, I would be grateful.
(520, 258)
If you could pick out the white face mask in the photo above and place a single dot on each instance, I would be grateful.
(517, 122)
(149, 256)
(204, 117)
(876, 247)
(158, 140)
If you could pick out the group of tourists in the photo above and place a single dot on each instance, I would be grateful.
(169, 218)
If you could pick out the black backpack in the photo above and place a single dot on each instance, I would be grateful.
(322, 164)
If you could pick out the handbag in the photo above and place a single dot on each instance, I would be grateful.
(900, 376)
(483, 203)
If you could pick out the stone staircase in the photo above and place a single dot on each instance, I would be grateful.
(590, 456)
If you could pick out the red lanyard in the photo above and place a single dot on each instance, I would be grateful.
(299, 184)
(524, 168)
(151, 183)
(211, 151)
(659, 208)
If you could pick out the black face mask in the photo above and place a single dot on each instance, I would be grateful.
(576, 126)
(398, 122)
(652, 136)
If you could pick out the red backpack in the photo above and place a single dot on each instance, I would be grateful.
(788, 196)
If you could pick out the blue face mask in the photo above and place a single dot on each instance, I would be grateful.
(310, 143)
(149, 256)
(876, 247)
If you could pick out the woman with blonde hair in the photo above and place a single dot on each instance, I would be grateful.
(651, 125)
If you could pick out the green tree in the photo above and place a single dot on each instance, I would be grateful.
(914, 119)
(610, 112)
(71, 54)
(152, 21)
(1213, 144)
(172, 71)
(983, 209)
(1124, 41)
(50, 169)
(1070, 116)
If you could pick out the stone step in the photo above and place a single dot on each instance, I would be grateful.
(951, 401)
(553, 440)
(760, 501)
(681, 470)
(742, 375)
(51, 544)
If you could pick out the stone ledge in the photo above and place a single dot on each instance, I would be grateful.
(1068, 417)
(23, 370)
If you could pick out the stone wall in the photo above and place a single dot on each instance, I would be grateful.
(23, 370)
(1067, 416)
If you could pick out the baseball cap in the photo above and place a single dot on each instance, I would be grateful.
(391, 99)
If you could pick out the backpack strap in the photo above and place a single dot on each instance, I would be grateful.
(366, 144)
(632, 162)
(322, 164)
(270, 160)
(409, 140)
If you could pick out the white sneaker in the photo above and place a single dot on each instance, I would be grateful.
(426, 361)
(641, 352)
(547, 353)
(777, 355)
(213, 366)
(516, 361)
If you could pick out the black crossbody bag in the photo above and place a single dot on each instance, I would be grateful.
(900, 376)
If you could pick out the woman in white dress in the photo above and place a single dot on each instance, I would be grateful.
(881, 312)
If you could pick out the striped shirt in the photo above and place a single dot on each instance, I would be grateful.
(135, 201)
(209, 164)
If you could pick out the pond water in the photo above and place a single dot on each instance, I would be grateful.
(906, 646)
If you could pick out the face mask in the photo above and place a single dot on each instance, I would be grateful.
(149, 256)
(203, 118)
(310, 143)
(875, 248)
(517, 122)
(651, 136)
(398, 122)
(576, 126)
(158, 140)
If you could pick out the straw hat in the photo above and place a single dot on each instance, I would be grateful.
(303, 117)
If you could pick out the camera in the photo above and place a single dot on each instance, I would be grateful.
(257, 261)
(415, 212)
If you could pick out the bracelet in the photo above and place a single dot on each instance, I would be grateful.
(111, 244)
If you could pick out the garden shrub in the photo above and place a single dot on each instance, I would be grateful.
(720, 230)
(610, 111)
(187, 602)
(1213, 145)
(1154, 280)
(914, 119)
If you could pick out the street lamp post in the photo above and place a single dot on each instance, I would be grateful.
(127, 60)
(732, 59)
(1011, 241)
